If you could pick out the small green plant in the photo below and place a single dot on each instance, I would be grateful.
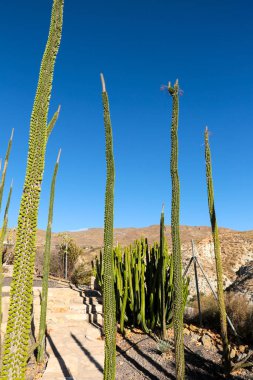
(164, 346)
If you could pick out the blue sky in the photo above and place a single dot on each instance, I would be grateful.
(139, 46)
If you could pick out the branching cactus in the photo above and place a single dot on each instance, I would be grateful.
(108, 257)
(46, 267)
(19, 319)
(176, 245)
(217, 253)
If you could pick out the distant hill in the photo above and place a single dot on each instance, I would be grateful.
(236, 247)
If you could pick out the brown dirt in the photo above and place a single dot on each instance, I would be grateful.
(138, 357)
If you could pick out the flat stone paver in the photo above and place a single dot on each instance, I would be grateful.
(74, 353)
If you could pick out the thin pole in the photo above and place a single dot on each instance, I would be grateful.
(66, 262)
(216, 297)
(196, 282)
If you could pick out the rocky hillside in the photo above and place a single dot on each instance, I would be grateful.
(237, 247)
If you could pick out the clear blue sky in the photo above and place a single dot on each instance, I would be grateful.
(138, 45)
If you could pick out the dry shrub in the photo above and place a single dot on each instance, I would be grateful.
(81, 275)
(239, 310)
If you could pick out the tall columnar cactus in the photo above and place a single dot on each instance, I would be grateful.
(46, 267)
(2, 237)
(19, 318)
(5, 168)
(108, 259)
(218, 260)
(163, 269)
(176, 245)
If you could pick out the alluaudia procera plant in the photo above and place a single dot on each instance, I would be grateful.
(46, 267)
(19, 319)
(217, 253)
(108, 259)
(5, 167)
(2, 237)
(176, 245)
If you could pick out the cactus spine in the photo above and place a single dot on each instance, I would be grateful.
(46, 267)
(108, 259)
(176, 246)
(218, 260)
(19, 318)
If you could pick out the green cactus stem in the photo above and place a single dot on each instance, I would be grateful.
(46, 267)
(5, 168)
(108, 257)
(176, 245)
(2, 237)
(217, 253)
(52, 122)
(19, 318)
(163, 276)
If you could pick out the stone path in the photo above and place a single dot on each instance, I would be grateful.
(75, 347)
(74, 344)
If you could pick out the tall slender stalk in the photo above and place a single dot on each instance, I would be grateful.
(5, 167)
(163, 275)
(46, 267)
(19, 318)
(2, 237)
(176, 245)
(217, 253)
(108, 289)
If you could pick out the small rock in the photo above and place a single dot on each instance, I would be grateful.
(206, 341)
(186, 331)
(232, 353)
(242, 348)
(193, 328)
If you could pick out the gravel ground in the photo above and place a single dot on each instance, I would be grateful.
(139, 358)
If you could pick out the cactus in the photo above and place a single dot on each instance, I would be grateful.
(138, 281)
(19, 319)
(5, 168)
(108, 288)
(46, 266)
(2, 236)
(176, 245)
(163, 277)
(218, 260)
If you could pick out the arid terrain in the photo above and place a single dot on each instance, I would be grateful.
(236, 247)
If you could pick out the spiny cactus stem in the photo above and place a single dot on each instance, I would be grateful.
(218, 260)
(109, 302)
(46, 267)
(16, 342)
(176, 245)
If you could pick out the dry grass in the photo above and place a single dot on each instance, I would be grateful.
(238, 309)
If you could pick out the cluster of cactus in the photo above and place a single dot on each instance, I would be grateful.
(138, 285)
